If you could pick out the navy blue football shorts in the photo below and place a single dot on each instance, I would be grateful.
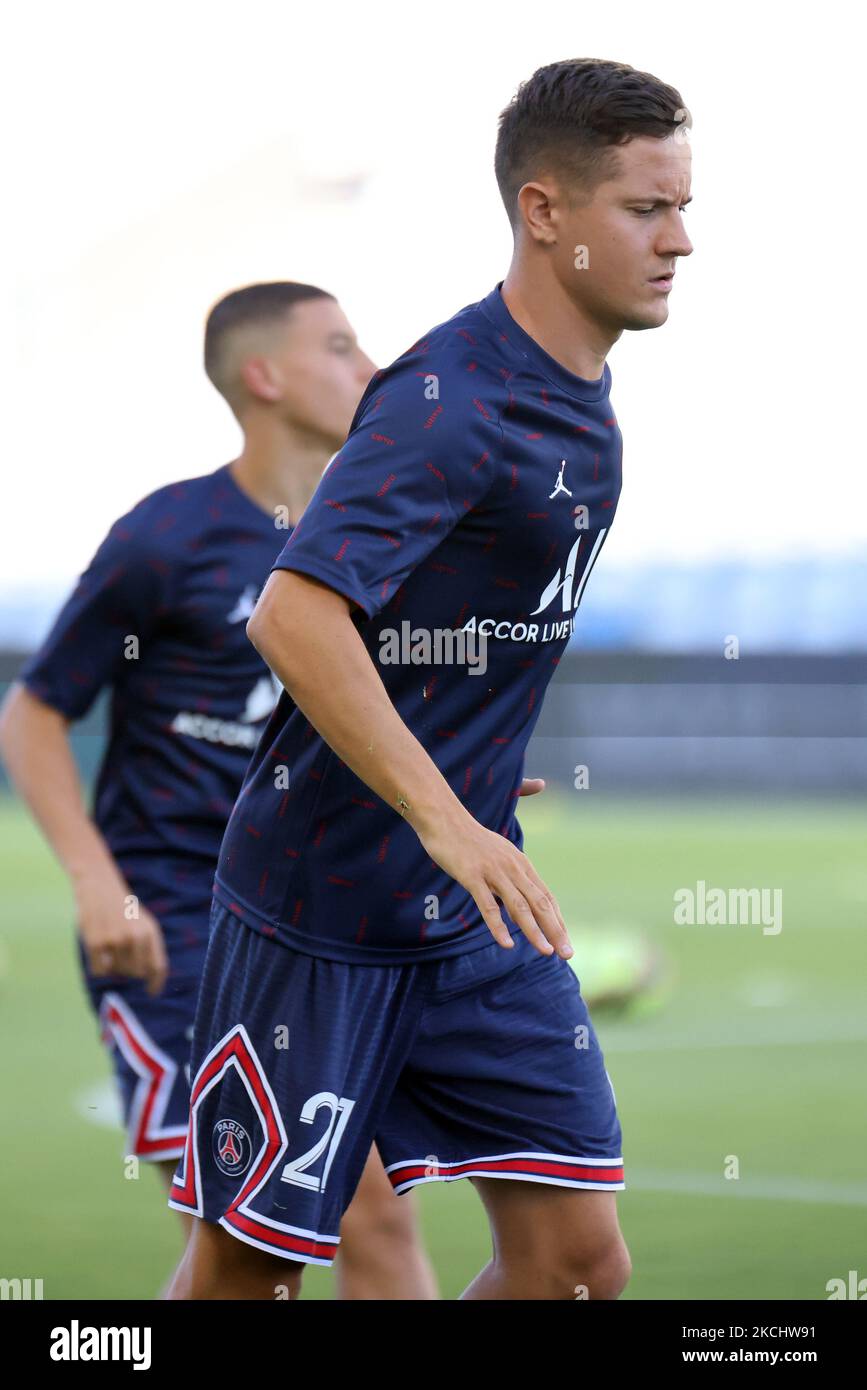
(480, 1065)
(149, 1039)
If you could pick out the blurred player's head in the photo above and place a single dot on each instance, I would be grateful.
(594, 154)
(284, 354)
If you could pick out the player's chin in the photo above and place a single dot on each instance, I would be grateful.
(333, 436)
(647, 315)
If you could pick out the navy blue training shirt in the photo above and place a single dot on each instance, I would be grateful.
(159, 616)
(474, 491)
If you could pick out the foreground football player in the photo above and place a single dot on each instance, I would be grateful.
(378, 904)
(159, 619)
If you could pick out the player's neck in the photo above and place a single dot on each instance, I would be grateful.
(539, 304)
(278, 471)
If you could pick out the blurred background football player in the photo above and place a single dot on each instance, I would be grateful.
(158, 618)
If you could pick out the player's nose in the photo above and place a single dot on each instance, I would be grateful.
(680, 244)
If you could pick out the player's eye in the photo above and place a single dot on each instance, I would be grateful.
(642, 212)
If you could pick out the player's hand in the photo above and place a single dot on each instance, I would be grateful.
(120, 936)
(490, 867)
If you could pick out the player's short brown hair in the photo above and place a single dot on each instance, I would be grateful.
(568, 119)
(253, 306)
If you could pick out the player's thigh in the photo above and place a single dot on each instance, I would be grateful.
(537, 1222)
(375, 1209)
(216, 1265)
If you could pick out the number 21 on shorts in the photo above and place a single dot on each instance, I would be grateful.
(296, 1170)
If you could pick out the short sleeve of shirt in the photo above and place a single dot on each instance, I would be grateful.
(422, 452)
(120, 596)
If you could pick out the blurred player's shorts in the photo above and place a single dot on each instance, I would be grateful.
(149, 1039)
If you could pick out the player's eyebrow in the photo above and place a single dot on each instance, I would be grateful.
(659, 201)
(335, 338)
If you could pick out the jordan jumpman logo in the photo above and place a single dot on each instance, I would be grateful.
(560, 486)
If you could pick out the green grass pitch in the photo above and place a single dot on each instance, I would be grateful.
(757, 1052)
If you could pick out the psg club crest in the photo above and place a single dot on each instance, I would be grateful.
(231, 1147)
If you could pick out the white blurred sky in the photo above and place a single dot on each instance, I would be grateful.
(158, 155)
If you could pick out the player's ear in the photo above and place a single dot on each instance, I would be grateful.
(535, 209)
(262, 378)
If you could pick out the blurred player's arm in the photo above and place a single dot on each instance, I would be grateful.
(120, 593)
(304, 631)
(34, 742)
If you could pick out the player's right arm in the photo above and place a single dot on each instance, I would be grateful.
(118, 596)
(407, 474)
(34, 741)
(304, 631)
